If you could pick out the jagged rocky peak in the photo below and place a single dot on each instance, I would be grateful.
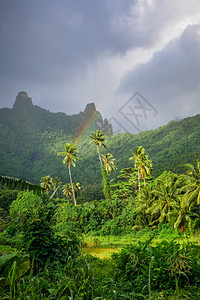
(90, 108)
(22, 99)
(98, 122)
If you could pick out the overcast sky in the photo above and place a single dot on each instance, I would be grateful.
(139, 61)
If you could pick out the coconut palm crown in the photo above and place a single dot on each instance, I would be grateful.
(98, 138)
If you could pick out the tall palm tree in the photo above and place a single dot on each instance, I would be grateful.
(142, 163)
(106, 169)
(192, 186)
(98, 138)
(70, 156)
(109, 162)
(46, 183)
(137, 162)
(146, 166)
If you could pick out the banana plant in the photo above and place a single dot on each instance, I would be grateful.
(12, 267)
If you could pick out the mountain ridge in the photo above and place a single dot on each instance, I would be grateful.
(31, 137)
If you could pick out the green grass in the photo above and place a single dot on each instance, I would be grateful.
(103, 253)
(108, 241)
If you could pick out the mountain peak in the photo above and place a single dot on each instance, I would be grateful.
(90, 108)
(22, 94)
(22, 99)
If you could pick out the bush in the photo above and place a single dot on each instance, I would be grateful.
(196, 225)
(26, 207)
(166, 231)
(112, 227)
(14, 242)
(169, 265)
(44, 245)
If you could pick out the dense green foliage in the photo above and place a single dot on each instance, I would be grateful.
(41, 247)
(168, 265)
(153, 220)
(31, 137)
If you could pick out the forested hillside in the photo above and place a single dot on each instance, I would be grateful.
(170, 147)
(49, 233)
(31, 137)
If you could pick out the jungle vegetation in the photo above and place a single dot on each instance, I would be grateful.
(153, 221)
(31, 137)
(63, 192)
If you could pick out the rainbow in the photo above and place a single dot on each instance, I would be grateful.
(106, 102)
(84, 128)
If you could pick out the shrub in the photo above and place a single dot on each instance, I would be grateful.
(165, 266)
(44, 245)
(26, 207)
(196, 225)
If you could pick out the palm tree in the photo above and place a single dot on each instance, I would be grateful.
(67, 190)
(106, 169)
(56, 185)
(109, 162)
(98, 138)
(184, 216)
(146, 166)
(192, 186)
(166, 198)
(46, 183)
(70, 157)
(143, 206)
(142, 163)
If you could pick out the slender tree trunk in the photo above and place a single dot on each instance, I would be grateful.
(143, 175)
(70, 176)
(182, 228)
(55, 192)
(169, 218)
(139, 183)
(99, 155)
(124, 219)
(106, 184)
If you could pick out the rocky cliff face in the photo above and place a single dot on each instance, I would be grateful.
(22, 100)
(99, 123)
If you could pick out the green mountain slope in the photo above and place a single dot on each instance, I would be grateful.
(170, 147)
(31, 137)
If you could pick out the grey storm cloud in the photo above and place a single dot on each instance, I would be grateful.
(51, 42)
(65, 54)
(44, 37)
(169, 81)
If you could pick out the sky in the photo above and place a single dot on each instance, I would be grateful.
(137, 60)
